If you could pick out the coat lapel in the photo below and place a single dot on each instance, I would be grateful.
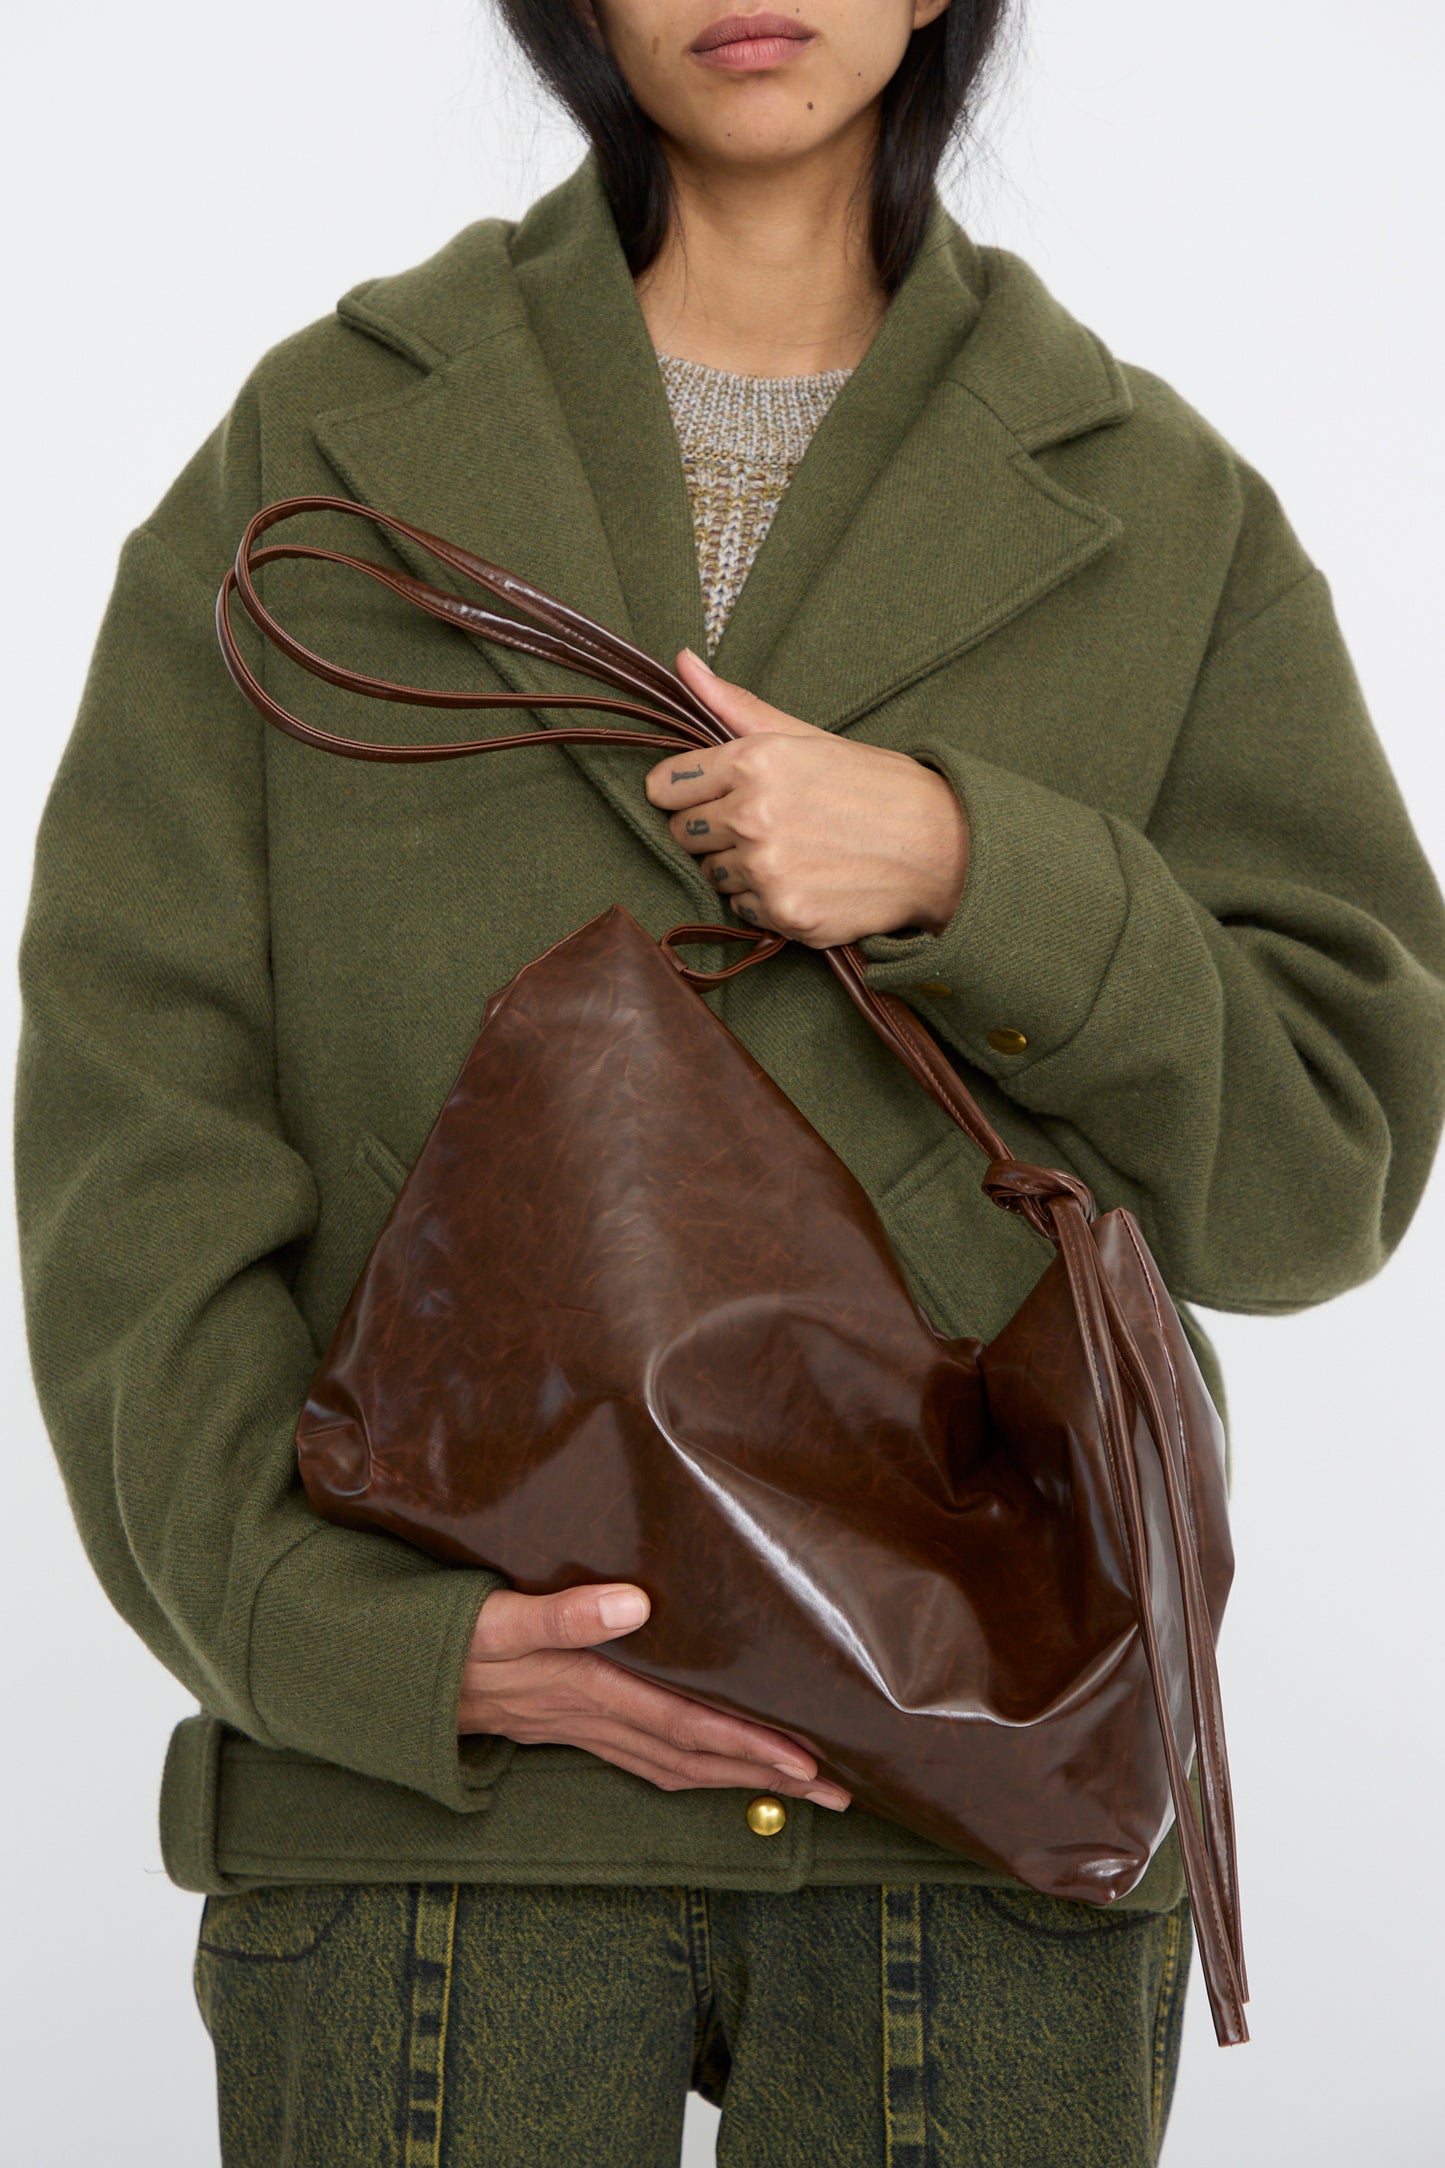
(478, 448)
(583, 310)
(539, 437)
(538, 434)
(919, 521)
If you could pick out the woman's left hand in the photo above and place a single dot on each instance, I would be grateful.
(818, 837)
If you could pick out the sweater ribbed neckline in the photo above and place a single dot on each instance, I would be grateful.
(758, 420)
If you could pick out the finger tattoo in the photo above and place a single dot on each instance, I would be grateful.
(698, 828)
(686, 775)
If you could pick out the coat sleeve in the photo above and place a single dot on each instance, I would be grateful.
(1235, 1015)
(160, 1201)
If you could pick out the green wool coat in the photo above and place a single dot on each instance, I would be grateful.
(250, 972)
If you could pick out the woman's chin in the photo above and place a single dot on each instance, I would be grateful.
(764, 123)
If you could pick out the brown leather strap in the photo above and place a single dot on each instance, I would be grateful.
(763, 946)
(565, 637)
(1209, 1857)
(1057, 1205)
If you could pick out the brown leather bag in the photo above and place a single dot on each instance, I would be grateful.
(631, 1319)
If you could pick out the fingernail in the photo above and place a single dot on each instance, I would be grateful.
(622, 1607)
(692, 651)
(823, 1795)
(798, 1770)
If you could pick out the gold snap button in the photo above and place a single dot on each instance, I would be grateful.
(939, 988)
(1007, 1042)
(766, 1816)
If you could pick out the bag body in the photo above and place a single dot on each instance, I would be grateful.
(631, 1318)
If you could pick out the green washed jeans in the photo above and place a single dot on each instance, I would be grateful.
(496, 2026)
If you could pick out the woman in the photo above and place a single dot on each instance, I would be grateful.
(1039, 697)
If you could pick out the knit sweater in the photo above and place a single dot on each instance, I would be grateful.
(742, 438)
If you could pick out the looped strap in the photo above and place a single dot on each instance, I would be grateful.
(543, 627)
(764, 945)
(1014, 1184)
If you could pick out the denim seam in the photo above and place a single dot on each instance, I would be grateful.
(901, 1952)
(433, 1941)
(1163, 2020)
(1103, 1920)
(698, 1924)
(275, 1957)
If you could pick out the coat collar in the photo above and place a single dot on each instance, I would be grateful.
(537, 433)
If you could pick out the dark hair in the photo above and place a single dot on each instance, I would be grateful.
(926, 107)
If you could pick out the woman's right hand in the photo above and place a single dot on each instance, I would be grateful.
(532, 1675)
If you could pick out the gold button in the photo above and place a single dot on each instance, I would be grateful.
(766, 1816)
(1007, 1042)
(937, 987)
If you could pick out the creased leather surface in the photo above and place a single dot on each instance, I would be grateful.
(631, 1319)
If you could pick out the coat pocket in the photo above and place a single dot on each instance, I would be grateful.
(352, 1216)
(375, 1162)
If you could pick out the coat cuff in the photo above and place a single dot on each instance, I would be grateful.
(1015, 972)
(357, 1648)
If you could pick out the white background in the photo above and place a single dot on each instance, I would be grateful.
(1244, 197)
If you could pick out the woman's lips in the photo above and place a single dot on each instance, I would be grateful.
(742, 42)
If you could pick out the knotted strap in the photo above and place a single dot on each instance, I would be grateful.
(1057, 1205)
(1013, 1186)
